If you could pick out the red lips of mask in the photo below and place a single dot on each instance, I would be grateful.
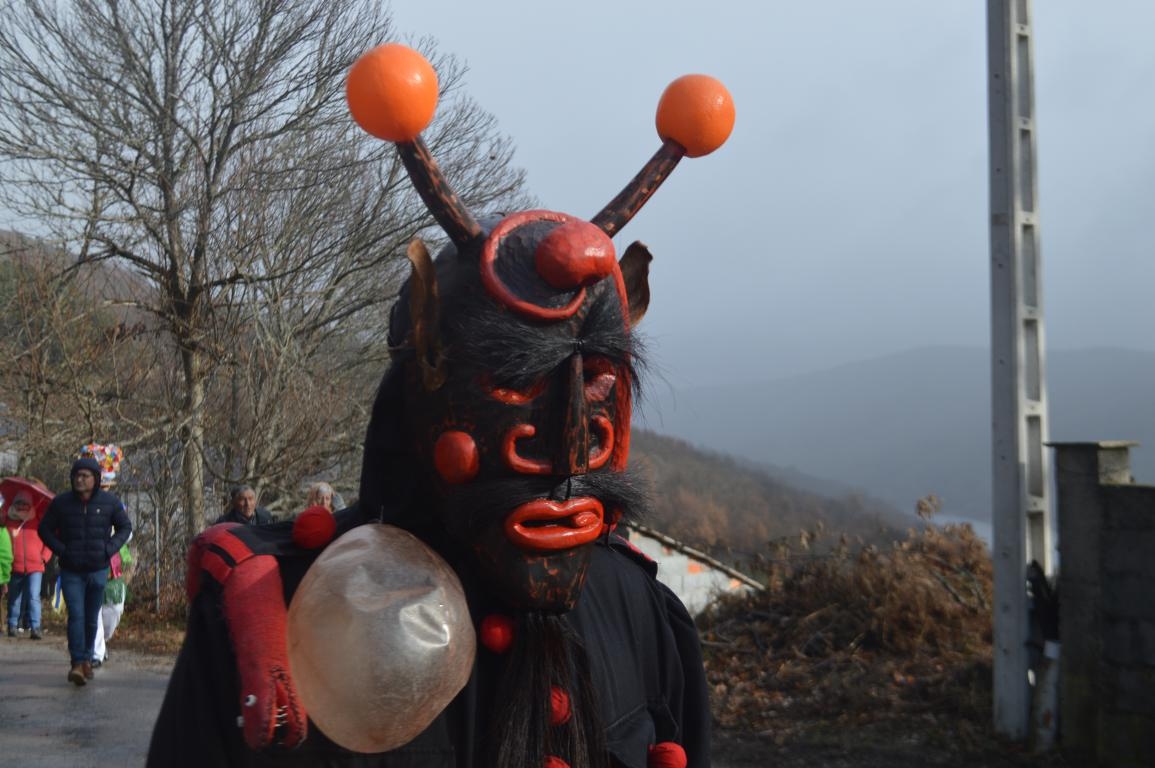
(545, 525)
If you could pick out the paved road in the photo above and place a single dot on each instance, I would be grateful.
(46, 722)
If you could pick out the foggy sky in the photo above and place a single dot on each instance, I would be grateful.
(846, 218)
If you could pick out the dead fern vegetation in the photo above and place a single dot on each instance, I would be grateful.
(890, 642)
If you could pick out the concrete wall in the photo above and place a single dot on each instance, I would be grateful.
(1107, 604)
(695, 582)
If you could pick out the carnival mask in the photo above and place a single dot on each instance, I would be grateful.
(523, 417)
(517, 346)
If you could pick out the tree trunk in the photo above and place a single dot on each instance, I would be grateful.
(193, 461)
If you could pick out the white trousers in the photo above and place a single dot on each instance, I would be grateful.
(106, 623)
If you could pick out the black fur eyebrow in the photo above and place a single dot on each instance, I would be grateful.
(517, 354)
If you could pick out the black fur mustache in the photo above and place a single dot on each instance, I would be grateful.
(475, 505)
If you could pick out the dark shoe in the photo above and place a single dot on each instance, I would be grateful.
(76, 675)
(97, 663)
(11, 632)
(36, 634)
(87, 670)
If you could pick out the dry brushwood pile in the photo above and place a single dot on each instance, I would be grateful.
(864, 638)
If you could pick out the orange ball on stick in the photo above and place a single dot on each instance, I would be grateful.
(697, 112)
(392, 92)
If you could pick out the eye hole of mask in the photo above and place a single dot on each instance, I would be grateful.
(599, 379)
(512, 396)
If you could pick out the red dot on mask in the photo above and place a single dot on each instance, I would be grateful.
(314, 528)
(559, 711)
(497, 632)
(455, 457)
(555, 762)
(666, 754)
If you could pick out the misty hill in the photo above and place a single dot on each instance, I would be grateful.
(906, 425)
(733, 510)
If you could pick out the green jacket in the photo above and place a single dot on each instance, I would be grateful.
(116, 590)
(5, 555)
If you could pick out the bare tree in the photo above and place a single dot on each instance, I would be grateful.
(206, 146)
(66, 374)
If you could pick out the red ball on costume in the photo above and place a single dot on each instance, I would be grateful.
(555, 762)
(497, 632)
(666, 754)
(559, 710)
(314, 528)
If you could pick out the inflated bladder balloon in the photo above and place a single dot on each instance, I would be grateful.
(380, 638)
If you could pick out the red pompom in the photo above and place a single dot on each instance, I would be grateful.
(497, 632)
(559, 711)
(555, 762)
(314, 528)
(666, 754)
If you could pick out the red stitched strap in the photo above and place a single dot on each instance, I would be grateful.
(235, 548)
(257, 618)
(204, 556)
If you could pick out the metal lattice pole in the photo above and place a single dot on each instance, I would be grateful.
(1022, 506)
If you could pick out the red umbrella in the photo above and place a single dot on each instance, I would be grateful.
(41, 496)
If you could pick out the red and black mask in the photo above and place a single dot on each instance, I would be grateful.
(514, 367)
(518, 394)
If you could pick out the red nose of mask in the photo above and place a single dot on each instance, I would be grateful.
(573, 255)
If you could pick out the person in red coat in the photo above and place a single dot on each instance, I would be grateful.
(29, 554)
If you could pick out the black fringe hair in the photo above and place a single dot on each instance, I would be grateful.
(546, 653)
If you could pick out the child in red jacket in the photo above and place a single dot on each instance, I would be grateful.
(29, 554)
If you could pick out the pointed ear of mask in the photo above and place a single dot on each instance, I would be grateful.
(424, 313)
(635, 266)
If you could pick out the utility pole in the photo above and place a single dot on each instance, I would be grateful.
(1022, 508)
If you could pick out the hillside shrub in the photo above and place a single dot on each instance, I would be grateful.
(859, 635)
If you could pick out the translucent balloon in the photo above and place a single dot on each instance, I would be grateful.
(380, 638)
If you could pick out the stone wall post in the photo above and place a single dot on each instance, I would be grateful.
(1107, 606)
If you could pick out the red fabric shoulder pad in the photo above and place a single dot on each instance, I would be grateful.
(215, 552)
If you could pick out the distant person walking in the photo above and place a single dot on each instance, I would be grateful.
(243, 508)
(85, 527)
(25, 500)
(115, 594)
(109, 457)
(5, 560)
(29, 554)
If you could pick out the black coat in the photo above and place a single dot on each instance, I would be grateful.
(645, 659)
(261, 516)
(85, 534)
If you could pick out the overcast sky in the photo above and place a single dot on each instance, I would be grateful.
(846, 218)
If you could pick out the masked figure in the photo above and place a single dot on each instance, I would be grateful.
(500, 439)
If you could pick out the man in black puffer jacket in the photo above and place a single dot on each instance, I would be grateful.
(85, 527)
